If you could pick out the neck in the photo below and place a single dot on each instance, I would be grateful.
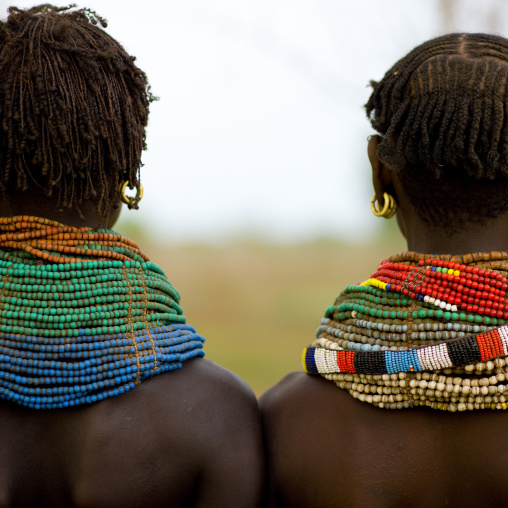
(490, 236)
(33, 203)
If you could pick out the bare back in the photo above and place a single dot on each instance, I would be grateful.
(327, 449)
(185, 438)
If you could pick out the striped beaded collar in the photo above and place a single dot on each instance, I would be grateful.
(84, 315)
(422, 331)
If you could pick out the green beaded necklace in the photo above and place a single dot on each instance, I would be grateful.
(84, 315)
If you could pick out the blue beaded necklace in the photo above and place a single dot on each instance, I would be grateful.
(76, 330)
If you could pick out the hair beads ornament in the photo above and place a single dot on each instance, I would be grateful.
(424, 330)
(84, 315)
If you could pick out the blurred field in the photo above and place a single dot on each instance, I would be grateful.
(258, 305)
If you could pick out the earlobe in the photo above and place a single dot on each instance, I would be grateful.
(381, 174)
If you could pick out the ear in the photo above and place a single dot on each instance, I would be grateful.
(382, 178)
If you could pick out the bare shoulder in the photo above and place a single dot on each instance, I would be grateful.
(287, 386)
(203, 412)
(295, 414)
(200, 417)
(203, 416)
(298, 393)
(206, 402)
(326, 448)
(300, 403)
(173, 440)
(290, 385)
(203, 382)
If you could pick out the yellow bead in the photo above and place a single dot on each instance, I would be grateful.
(456, 273)
(303, 360)
(374, 282)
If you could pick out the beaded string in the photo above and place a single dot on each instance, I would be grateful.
(38, 237)
(84, 315)
(423, 330)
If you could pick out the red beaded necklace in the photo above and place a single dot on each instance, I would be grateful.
(448, 284)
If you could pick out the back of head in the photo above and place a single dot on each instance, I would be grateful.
(442, 112)
(73, 105)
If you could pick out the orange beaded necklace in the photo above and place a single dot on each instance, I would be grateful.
(47, 239)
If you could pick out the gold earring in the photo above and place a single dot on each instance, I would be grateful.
(131, 201)
(389, 206)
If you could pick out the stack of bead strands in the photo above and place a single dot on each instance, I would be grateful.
(422, 331)
(84, 315)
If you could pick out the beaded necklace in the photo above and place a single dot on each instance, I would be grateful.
(422, 331)
(84, 315)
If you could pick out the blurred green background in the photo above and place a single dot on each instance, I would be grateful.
(259, 304)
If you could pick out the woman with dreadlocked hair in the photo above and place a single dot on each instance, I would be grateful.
(105, 399)
(404, 396)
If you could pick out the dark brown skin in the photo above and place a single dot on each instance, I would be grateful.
(187, 438)
(326, 449)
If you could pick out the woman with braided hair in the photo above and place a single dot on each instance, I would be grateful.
(404, 398)
(105, 399)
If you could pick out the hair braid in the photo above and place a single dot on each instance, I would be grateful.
(442, 112)
(73, 104)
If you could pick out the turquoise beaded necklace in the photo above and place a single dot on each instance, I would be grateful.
(422, 331)
(84, 315)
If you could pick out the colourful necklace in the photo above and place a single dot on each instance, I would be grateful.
(422, 331)
(84, 315)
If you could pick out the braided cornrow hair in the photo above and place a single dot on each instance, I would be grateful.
(442, 113)
(73, 107)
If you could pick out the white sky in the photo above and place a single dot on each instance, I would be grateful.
(260, 126)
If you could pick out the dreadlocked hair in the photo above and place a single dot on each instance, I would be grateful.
(73, 107)
(442, 113)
